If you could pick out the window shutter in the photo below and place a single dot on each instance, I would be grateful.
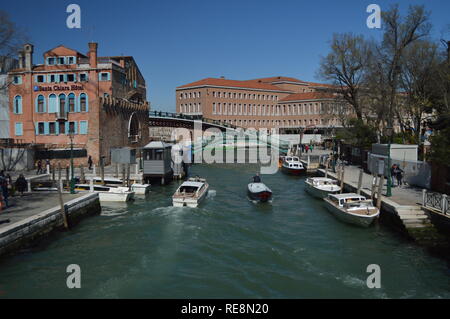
(36, 128)
(20, 105)
(66, 127)
(83, 127)
(46, 128)
(56, 128)
(75, 125)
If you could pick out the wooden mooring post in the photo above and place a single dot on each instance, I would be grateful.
(102, 170)
(82, 176)
(380, 191)
(61, 201)
(326, 167)
(374, 185)
(116, 173)
(342, 178)
(67, 176)
(128, 175)
(360, 179)
(123, 174)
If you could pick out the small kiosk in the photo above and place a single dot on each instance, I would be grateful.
(157, 159)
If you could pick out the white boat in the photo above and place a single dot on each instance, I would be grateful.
(292, 165)
(320, 187)
(190, 193)
(116, 194)
(259, 192)
(352, 208)
(140, 189)
(108, 193)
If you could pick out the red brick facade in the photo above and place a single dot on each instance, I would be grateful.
(277, 102)
(101, 100)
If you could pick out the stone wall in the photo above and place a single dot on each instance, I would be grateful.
(26, 232)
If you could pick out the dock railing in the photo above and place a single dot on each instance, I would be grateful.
(437, 201)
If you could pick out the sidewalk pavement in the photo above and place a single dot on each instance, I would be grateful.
(403, 195)
(32, 204)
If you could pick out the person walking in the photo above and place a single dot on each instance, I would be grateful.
(393, 174)
(306, 149)
(21, 184)
(399, 175)
(39, 167)
(4, 187)
(90, 162)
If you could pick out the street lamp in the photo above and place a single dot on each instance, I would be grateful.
(389, 133)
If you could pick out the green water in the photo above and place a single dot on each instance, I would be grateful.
(227, 248)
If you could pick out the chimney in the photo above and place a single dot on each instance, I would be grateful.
(20, 59)
(93, 54)
(28, 49)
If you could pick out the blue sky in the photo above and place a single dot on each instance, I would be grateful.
(177, 42)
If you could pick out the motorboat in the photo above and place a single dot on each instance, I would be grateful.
(259, 192)
(190, 193)
(352, 208)
(320, 187)
(108, 193)
(140, 189)
(292, 165)
(116, 194)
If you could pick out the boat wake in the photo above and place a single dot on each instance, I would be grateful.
(211, 193)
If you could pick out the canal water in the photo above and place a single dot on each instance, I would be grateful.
(227, 248)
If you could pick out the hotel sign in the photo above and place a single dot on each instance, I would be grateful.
(73, 87)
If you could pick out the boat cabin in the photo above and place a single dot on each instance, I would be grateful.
(157, 160)
(291, 159)
(319, 181)
(345, 199)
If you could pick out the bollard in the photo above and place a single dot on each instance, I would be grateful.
(102, 170)
(29, 186)
(91, 185)
(48, 168)
(137, 169)
(94, 170)
(116, 173)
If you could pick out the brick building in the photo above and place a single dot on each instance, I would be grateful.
(100, 101)
(276, 102)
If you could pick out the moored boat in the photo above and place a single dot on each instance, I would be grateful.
(190, 193)
(292, 166)
(352, 208)
(108, 193)
(259, 192)
(320, 187)
(140, 189)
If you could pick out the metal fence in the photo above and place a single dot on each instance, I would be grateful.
(440, 202)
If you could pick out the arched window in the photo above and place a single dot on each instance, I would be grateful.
(18, 104)
(62, 105)
(52, 104)
(71, 101)
(40, 104)
(84, 103)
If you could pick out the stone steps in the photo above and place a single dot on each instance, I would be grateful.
(413, 216)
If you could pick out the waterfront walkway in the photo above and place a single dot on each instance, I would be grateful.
(32, 204)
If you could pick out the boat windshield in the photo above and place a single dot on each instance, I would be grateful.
(358, 204)
(188, 189)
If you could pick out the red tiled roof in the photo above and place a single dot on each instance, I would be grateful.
(233, 83)
(278, 79)
(307, 96)
(323, 85)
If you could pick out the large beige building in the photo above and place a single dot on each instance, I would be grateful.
(276, 102)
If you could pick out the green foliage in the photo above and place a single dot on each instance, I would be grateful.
(440, 146)
(358, 133)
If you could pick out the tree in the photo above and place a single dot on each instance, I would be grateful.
(11, 40)
(420, 64)
(345, 65)
(398, 35)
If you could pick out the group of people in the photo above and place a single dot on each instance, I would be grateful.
(40, 169)
(307, 148)
(396, 174)
(7, 186)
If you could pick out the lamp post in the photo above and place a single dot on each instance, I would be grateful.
(389, 131)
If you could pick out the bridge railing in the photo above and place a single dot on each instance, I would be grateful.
(190, 117)
(440, 202)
